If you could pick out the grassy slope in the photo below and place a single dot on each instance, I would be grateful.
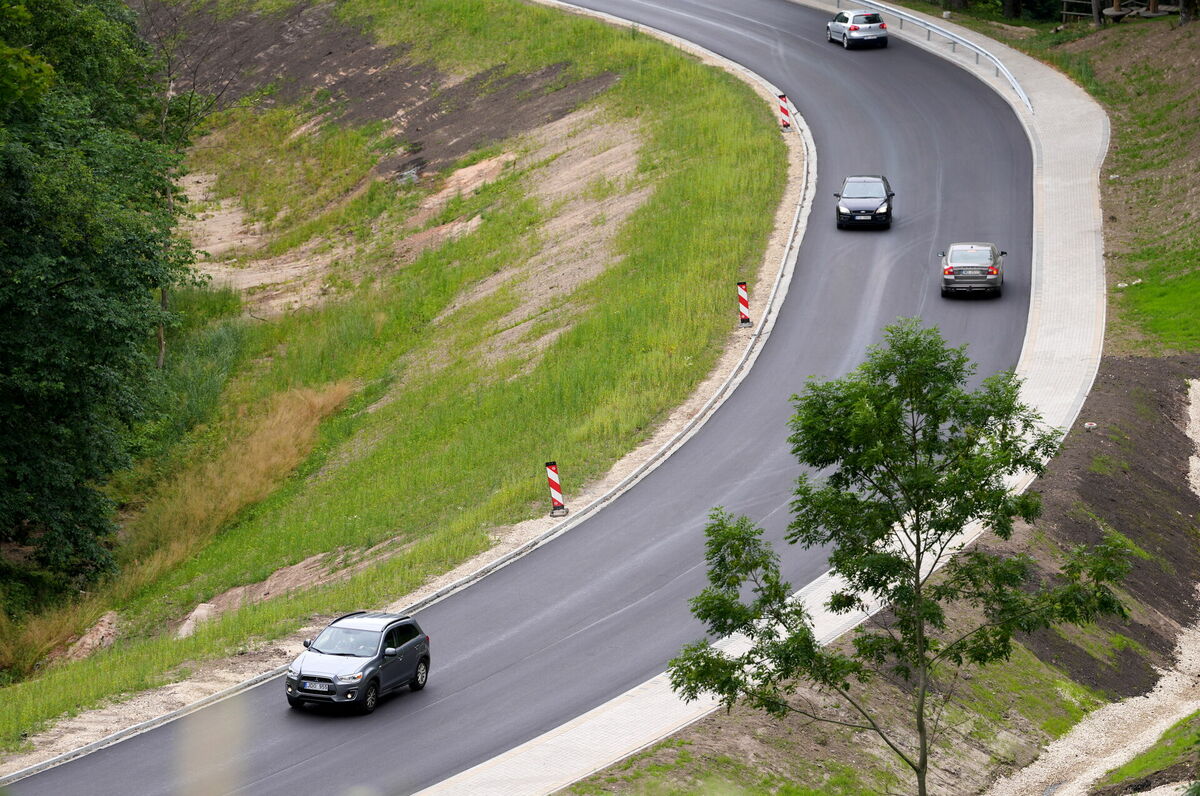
(642, 335)
(1155, 114)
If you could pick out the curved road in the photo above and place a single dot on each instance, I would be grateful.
(604, 607)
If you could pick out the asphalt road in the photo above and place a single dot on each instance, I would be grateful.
(604, 607)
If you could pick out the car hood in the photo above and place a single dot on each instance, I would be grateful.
(867, 205)
(316, 663)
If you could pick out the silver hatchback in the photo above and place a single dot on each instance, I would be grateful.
(972, 268)
(858, 26)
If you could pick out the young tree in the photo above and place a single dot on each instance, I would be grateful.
(197, 66)
(911, 458)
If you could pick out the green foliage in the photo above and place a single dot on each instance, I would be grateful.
(1180, 742)
(911, 458)
(85, 234)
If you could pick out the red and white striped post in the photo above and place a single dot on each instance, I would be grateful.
(557, 507)
(743, 304)
(785, 113)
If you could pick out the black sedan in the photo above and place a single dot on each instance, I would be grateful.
(865, 200)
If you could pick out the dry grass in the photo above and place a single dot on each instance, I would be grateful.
(185, 515)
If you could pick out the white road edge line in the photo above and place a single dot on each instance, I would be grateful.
(1069, 139)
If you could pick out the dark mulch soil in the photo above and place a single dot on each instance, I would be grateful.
(1129, 474)
(305, 55)
(1184, 771)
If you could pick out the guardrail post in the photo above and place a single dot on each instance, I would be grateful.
(928, 33)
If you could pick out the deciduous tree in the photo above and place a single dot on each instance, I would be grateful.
(908, 458)
(85, 235)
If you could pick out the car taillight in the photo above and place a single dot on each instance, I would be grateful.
(883, 26)
(854, 27)
(949, 269)
(427, 639)
(993, 270)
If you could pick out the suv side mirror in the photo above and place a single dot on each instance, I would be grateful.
(1003, 253)
(838, 195)
(891, 194)
(941, 254)
(307, 643)
(389, 652)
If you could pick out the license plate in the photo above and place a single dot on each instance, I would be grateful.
(862, 218)
(868, 37)
(315, 686)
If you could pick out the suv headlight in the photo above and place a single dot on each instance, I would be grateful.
(350, 678)
(293, 672)
(843, 210)
(883, 208)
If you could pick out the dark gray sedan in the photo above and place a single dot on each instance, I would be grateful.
(865, 200)
(972, 268)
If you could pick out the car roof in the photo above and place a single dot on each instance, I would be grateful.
(971, 246)
(865, 178)
(368, 620)
(853, 11)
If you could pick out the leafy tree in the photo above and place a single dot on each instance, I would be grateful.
(85, 235)
(911, 458)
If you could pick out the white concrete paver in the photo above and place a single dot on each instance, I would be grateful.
(1063, 342)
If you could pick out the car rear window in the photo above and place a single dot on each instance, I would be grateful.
(970, 256)
(867, 19)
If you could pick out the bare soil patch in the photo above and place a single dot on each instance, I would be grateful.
(305, 53)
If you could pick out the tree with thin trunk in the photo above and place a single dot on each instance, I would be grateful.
(909, 457)
(196, 71)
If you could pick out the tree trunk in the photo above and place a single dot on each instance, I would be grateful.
(162, 331)
(1188, 11)
(1097, 13)
(1011, 9)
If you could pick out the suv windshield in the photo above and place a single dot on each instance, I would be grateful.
(970, 256)
(347, 641)
(863, 190)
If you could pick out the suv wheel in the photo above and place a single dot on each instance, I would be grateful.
(370, 698)
(420, 676)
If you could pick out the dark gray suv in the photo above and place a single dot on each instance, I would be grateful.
(357, 659)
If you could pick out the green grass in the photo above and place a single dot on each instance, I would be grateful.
(457, 450)
(1023, 684)
(1177, 744)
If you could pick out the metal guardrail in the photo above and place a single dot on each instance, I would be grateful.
(954, 39)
